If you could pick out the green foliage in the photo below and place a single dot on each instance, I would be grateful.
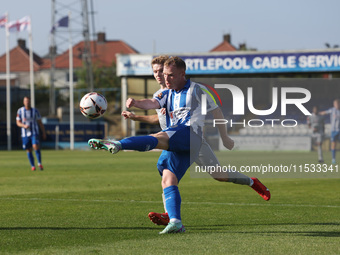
(93, 202)
(103, 77)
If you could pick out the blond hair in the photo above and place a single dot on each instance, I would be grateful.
(176, 61)
(160, 60)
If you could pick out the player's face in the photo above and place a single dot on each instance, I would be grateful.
(174, 77)
(158, 74)
(27, 103)
(336, 104)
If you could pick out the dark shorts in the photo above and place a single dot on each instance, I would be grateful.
(27, 142)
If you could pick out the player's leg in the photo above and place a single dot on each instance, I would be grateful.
(319, 146)
(184, 146)
(36, 147)
(161, 218)
(138, 143)
(173, 203)
(333, 146)
(172, 165)
(27, 146)
(334, 136)
(207, 157)
(160, 140)
(30, 158)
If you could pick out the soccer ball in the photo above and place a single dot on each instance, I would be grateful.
(93, 105)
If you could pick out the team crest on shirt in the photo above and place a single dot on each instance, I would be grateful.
(160, 95)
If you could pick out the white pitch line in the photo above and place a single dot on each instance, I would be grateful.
(159, 202)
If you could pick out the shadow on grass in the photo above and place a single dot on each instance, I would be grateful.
(76, 228)
(220, 228)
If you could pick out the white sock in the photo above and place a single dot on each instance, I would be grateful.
(164, 203)
(174, 220)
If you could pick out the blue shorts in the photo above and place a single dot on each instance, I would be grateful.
(27, 142)
(182, 138)
(176, 162)
(184, 147)
(335, 135)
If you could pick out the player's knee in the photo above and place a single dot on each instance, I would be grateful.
(167, 182)
(161, 136)
(163, 140)
(169, 179)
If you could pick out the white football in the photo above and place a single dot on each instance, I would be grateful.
(93, 105)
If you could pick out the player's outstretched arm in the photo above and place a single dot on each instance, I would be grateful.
(151, 119)
(145, 104)
(227, 141)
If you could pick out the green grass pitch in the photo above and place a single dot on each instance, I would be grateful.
(92, 202)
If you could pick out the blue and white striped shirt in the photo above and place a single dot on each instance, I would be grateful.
(29, 117)
(184, 106)
(161, 117)
(335, 118)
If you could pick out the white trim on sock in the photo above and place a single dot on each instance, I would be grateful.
(174, 220)
(163, 197)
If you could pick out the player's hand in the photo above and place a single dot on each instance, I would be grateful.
(26, 126)
(130, 102)
(163, 111)
(128, 115)
(228, 143)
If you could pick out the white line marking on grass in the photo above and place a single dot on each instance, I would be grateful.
(159, 202)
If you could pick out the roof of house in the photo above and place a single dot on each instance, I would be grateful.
(103, 54)
(225, 45)
(19, 60)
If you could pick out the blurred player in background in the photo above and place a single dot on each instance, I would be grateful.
(29, 120)
(206, 155)
(334, 113)
(317, 123)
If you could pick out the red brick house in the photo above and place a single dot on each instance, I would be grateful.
(103, 54)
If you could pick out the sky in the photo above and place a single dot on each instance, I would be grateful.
(185, 26)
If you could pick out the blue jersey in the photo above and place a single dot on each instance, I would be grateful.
(30, 118)
(184, 106)
(335, 118)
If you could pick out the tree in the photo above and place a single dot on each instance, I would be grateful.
(103, 77)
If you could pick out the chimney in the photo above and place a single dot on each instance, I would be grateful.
(101, 37)
(242, 46)
(227, 38)
(22, 43)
